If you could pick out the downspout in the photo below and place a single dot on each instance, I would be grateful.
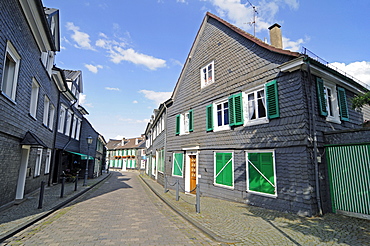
(55, 140)
(315, 149)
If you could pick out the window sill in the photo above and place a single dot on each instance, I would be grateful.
(224, 186)
(261, 194)
(222, 128)
(257, 122)
(333, 120)
(8, 98)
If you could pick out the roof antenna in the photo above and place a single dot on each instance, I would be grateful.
(254, 17)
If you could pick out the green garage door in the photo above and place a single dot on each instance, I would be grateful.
(349, 175)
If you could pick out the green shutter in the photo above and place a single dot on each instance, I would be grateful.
(321, 97)
(177, 124)
(236, 110)
(209, 118)
(178, 159)
(261, 172)
(224, 169)
(272, 100)
(191, 120)
(342, 101)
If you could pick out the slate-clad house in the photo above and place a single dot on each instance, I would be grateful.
(156, 133)
(247, 120)
(40, 118)
(28, 95)
(125, 154)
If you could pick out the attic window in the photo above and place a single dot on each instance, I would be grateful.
(207, 74)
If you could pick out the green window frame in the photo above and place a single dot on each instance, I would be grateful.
(209, 118)
(272, 100)
(224, 169)
(177, 124)
(236, 109)
(321, 98)
(342, 101)
(178, 164)
(191, 120)
(261, 176)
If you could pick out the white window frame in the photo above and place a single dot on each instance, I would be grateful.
(74, 125)
(10, 82)
(47, 161)
(247, 172)
(78, 129)
(34, 97)
(333, 111)
(258, 120)
(62, 118)
(51, 117)
(45, 120)
(38, 162)
(224, 126)
(184, 123)
(207, 77)
(68, 123)
(233, 170)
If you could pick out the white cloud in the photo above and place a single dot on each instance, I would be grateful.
(92, 68)
(292, 45)
(81, 38)
(118, 54)
(82, 99)
(157, 97)
(242, 14)
(135, 102)
(181, 1)
(112, 89)
(118, 137)
(359, 70)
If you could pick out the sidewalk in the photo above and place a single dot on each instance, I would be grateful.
(239, 224)
(18, 217)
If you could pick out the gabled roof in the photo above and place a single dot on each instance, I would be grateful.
(72, 75)
(31, 139)
(236, 30)
(132, 143)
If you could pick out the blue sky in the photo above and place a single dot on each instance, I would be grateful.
(131, 52)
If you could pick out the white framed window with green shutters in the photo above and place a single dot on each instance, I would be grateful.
(332, 101)
(261, 174)
(178, 164)
(255, 106)
(185, 123)
(224, 169)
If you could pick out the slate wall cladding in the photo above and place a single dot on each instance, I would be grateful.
(15, 120)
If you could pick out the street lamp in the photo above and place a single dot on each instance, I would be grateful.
(89, 142)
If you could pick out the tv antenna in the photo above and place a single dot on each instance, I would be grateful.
(254, 17)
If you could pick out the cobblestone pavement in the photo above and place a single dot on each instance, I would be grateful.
(18, 216)
(240, 224)
(119, 211)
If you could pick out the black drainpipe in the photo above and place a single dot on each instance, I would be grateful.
(315, 149)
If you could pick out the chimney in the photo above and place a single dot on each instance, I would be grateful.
(275, 36)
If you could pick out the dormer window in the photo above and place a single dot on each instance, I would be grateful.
(207, 74)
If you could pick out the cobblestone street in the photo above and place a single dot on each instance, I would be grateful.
(119, 212)
(123, 210)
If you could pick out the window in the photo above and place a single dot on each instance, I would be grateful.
(68, 123)
(47, 59)
(261, 176)
(47, 161)
(10, 72)
(207, 75)
(74, 125)
(184, 123)
(78, 129)
(38, 162)
(51, 117)
(161, 159)
(178, 164)
(256, 107)
(46, 111)
(224, 169)
(62, 118)
(34, 98)
(332, 101)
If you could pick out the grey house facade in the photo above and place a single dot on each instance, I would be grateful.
(28, 95)
(248, 119)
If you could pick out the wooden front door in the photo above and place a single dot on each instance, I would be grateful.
(193, 173)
